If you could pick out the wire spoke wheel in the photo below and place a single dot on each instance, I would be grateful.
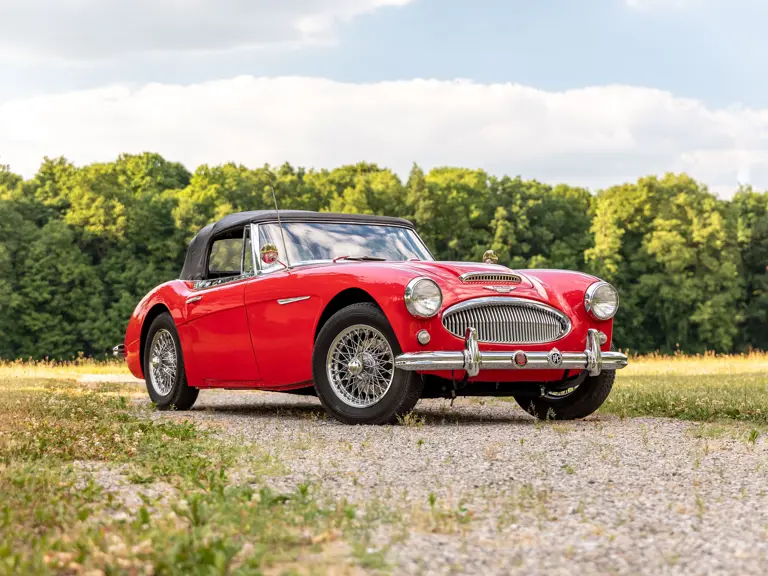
(360, 366)
(162, 362)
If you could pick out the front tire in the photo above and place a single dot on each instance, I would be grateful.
(164, 367)
(580, 403)
(354, 372)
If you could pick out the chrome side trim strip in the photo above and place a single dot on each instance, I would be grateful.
(284, 301)
(472, 360)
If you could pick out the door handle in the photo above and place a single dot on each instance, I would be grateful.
(194, 299)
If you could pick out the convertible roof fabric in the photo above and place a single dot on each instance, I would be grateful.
(199, 246)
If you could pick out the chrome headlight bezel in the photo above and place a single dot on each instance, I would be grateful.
(592, 298)
(412, 301)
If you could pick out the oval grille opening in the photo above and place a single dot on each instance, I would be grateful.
(507, 321)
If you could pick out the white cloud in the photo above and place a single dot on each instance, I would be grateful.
(594, 136)
(84, 30)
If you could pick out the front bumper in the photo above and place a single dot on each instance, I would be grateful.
(119, 351)
(472, 360)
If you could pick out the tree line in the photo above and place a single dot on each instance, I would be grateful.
(80, 246)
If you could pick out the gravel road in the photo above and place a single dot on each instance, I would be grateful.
(483, 488)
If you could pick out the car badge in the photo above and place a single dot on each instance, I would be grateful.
(501, 289)
(554, 358)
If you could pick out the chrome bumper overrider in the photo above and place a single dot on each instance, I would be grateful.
(472, 360)
(119, 351)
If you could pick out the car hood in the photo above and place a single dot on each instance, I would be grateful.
(453, 270)
(563, 289)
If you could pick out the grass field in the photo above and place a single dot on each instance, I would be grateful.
(174, 507)
(56, 437)
(702, 388)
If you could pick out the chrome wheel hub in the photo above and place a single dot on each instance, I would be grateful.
(162, 364)
(360, 366)
(355, 366)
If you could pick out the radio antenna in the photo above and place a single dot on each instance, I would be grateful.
(279, 222)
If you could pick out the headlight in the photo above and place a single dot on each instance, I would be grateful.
(601, 300)
(423, 297)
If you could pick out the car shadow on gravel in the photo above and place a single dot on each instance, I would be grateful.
(440, 415)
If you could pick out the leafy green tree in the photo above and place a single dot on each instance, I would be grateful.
(16, 234)
(751, 214)
(450, 208)
(360, 189)
(668, 246)
(8, 180)
(62, 295)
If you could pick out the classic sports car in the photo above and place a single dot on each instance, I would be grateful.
(355, 309)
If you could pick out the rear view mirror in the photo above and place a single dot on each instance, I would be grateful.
(269, 254)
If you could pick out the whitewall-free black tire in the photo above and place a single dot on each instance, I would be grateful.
(353, 368)
(164, 367)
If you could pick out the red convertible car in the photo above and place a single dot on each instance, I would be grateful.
(356, 310)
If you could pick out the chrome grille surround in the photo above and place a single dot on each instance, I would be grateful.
(492, 277)
(507, 321)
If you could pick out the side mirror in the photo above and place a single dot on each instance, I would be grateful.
(268, 253)
(489, 257)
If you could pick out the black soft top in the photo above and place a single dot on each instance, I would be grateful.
(199, 247)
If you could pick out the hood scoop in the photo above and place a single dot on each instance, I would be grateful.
(504, 278)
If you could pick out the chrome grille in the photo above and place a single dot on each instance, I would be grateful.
(497, 278)
(507, 321)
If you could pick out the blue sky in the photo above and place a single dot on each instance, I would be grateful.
(680, 82)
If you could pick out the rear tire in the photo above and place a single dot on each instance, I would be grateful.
(164, 371)
(353, 368)
(585, 400)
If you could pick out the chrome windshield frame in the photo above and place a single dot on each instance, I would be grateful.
(256, 246)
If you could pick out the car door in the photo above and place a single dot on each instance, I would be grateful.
(220, 353)
(282, 311)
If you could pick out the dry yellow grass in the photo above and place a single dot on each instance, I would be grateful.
(702, 364)
(71, 370)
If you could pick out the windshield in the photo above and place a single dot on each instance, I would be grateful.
(313, 241)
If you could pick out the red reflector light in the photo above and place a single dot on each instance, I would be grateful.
(521, 359)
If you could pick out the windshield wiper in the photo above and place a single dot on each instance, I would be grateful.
(368, 258)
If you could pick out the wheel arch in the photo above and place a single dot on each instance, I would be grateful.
(342, 300)
(153, 313)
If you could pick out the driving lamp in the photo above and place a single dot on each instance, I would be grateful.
(423, 297)
(601, 301)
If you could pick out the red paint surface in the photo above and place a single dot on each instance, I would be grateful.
(239, 336)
